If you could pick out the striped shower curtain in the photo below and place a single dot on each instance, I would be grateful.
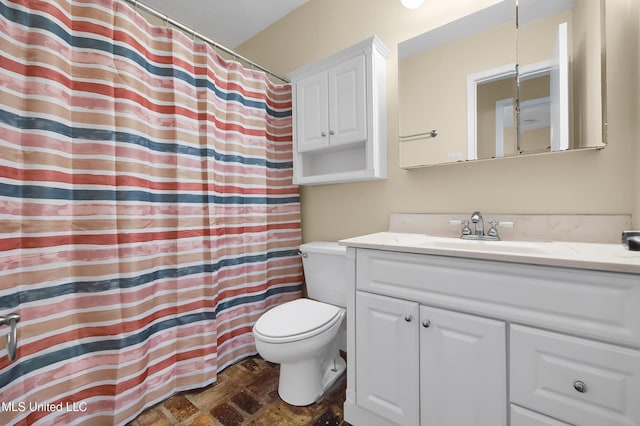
(147, 212)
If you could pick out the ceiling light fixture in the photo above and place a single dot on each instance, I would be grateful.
(412, 4)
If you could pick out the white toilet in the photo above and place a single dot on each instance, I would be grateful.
(302, 335)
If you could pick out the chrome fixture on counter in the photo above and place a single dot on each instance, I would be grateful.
(476, 218)
(478, 233)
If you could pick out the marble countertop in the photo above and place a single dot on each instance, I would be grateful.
(595, 256)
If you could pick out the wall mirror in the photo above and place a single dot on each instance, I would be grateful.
(518, 77)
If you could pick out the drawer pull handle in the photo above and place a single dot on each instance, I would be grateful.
(580, 386)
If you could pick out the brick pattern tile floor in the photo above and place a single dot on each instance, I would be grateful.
(245, 393)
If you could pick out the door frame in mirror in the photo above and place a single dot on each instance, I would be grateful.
(473, 80)
(500, 73)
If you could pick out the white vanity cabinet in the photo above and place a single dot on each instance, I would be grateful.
(463, 369)
(439, 340)
(578, 380)
(339, 116)
(388, 357)
(461, 360)
(523, 417)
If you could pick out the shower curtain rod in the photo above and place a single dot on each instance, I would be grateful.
(137, 4)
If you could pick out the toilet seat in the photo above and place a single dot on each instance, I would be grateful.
(296, 320)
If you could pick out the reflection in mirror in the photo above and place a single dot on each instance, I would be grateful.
(471, 78)
(568, 35)
(495, 129)
(542, 114)
(491, 131)
(432, 81)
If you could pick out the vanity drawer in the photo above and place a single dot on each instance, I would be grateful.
(523, 417)
(575, 380)
(592, 304)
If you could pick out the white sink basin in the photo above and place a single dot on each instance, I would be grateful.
(514, 247)
(517, 248)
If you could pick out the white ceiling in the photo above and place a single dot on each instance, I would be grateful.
(228, 22)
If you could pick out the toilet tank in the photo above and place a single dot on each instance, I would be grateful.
(325, 272)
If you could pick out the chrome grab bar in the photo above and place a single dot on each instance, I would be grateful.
(12, 338)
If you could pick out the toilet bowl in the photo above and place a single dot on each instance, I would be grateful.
(302, 335)
(307, 350)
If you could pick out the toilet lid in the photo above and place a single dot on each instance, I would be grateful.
(297, 317)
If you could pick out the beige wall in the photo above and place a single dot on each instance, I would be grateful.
(598, 182)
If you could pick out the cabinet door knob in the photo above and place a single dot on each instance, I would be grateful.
(580, 386)
(331, 132)
(323, 134)
(426, 323)
(408, 318)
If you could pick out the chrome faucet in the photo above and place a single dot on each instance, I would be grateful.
(476, 218)
(478, 233)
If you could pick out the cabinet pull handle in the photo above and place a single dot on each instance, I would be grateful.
(331, 132)
(408, 318)
(426, 323)
(580, 386)
(323, 134)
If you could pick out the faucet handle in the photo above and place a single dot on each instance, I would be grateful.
(502, 224)
(492, 233)
(465, 226)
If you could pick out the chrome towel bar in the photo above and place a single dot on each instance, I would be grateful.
(432, 134)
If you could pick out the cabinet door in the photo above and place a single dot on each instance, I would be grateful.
(462, 369)
(348, 102)
(312, 112)
(387, 357)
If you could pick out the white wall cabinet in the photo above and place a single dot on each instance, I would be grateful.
(331, 107)
(489, 343)
(339, 116)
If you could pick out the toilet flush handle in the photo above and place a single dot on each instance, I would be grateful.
(303, 254)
